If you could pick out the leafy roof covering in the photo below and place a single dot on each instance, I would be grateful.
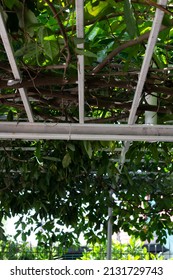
(43, 35)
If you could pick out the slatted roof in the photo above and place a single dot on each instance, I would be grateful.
(35, 127)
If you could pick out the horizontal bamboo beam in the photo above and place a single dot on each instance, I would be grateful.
(68, 131)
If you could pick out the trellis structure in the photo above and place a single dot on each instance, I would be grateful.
(82, 129)
(35, 129)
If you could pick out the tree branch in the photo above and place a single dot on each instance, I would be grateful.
(121, 48)
(13, 158)
(153, 4)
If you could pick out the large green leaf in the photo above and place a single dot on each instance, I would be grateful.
(130, 19)
(88, 148)
(94, 8)
(9, 3)
(48, 43)
(66, 160)
(85, 53)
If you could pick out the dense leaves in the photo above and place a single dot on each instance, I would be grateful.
(11, 250)
(134, 250)
(60, 183)
(24, 251)
(52, 184)
(148, 194)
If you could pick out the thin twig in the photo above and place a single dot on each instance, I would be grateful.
(3, 189)
(160, 7)
(13, 158)
(32, 79)
(62, 29)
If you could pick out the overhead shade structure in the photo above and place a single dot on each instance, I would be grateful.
(14, 67)
(136, 101)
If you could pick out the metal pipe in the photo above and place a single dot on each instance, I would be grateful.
(147, 59)
(97, 132)
(14, 67)
(109, 229)
(80, 63)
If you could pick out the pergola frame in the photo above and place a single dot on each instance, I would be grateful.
(82, 131)
(93, 131)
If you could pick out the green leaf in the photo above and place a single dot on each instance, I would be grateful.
(30, 17)
(23, 236)
(50, 38)
(66, 160)
(111, 2)
(95, 8)
(129, 19)
(38, 150)
(154, 150)
(10, 116)
(2, 236)
(18, 233)
(50, 46)
(78, 40)
(27, 50)
(88, 148)
(23, 226)
(167, 20)
(160, 61)
(85, 53)
(51, 158)
(128, 176)
(71, 147)
(9, 3)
